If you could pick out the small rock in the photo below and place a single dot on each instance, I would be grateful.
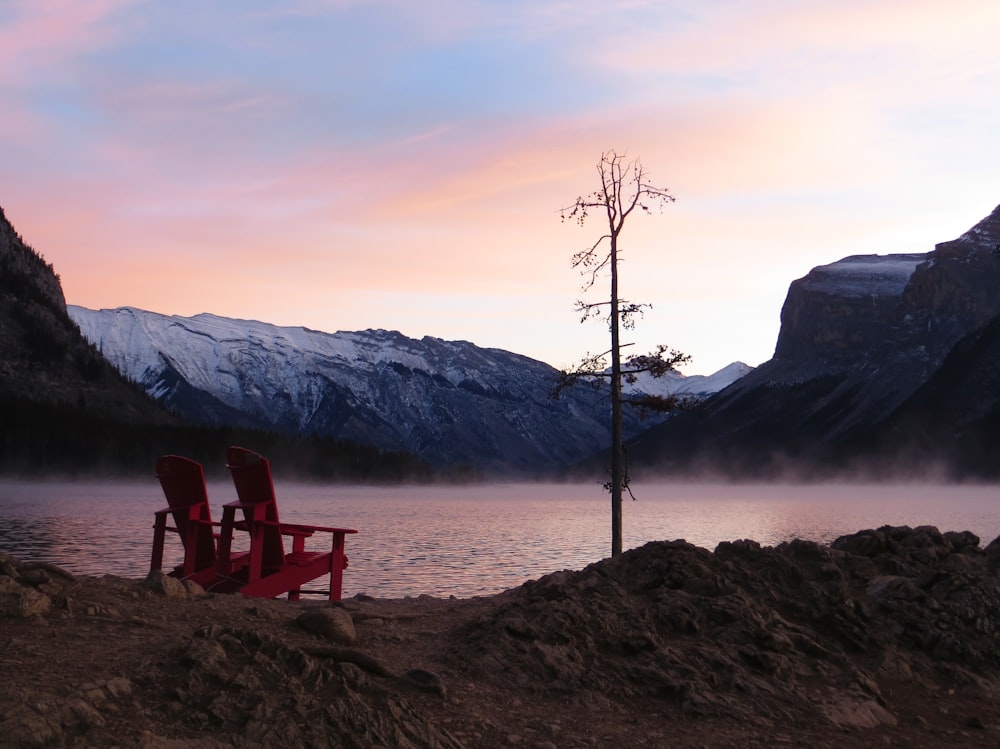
(894, 588)
(211, 631)
(118, 687)
(21, 602)
(206, 654)
(164, 584)
(427, 680)
(847, 712)
(35, 577)
(264, 612)
(332, 623)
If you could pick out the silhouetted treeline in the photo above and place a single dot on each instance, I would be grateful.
(40, 439)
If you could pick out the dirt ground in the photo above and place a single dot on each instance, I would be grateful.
(102, 668)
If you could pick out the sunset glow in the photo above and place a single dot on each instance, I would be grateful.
(349, 164)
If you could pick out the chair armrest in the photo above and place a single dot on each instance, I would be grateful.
(298, 529)
(170, 511)
(165, 510)
(239, 505)
(290, 529)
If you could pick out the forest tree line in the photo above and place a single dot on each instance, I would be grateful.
(58, 440)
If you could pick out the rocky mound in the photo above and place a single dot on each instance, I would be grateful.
(235, 683)
(765, 635)
(886, 637)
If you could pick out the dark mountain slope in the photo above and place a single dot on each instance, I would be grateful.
(882, 364)
(954, 419)
(43, 357)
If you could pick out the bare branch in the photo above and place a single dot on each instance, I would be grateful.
(591, 262)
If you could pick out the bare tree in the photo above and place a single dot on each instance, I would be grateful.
(624, 188)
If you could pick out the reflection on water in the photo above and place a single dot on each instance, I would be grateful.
(467, 541)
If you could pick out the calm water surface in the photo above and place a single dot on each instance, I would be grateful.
(475, 540)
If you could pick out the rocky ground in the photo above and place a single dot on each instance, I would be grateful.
(888, 637)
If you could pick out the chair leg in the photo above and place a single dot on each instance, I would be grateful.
(337, 564)
(159, 535)
(223, 559)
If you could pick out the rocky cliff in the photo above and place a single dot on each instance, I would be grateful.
(859, 339)
(23, 270)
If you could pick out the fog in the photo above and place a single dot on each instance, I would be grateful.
(482, 538)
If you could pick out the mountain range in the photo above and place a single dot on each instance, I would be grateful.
(66, 411)
(450, 402)
(886, 366)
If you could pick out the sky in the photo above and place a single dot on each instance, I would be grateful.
(353, 164)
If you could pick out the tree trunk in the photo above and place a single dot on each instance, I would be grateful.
(617, 443)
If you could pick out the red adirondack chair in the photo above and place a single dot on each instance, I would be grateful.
(183, 482)
(270, 571)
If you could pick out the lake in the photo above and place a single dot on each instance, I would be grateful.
(481, 539)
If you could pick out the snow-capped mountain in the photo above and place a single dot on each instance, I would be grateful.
(693, 386)
(450, 402)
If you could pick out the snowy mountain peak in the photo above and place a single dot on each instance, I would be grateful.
(864, 275)
(675, 383)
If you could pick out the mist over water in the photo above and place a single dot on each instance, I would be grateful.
(479, 540)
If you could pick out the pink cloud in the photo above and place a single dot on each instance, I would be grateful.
(43, 35)
(808, 45)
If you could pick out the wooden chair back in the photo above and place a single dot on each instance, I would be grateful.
(251, 473)
(183, 482)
